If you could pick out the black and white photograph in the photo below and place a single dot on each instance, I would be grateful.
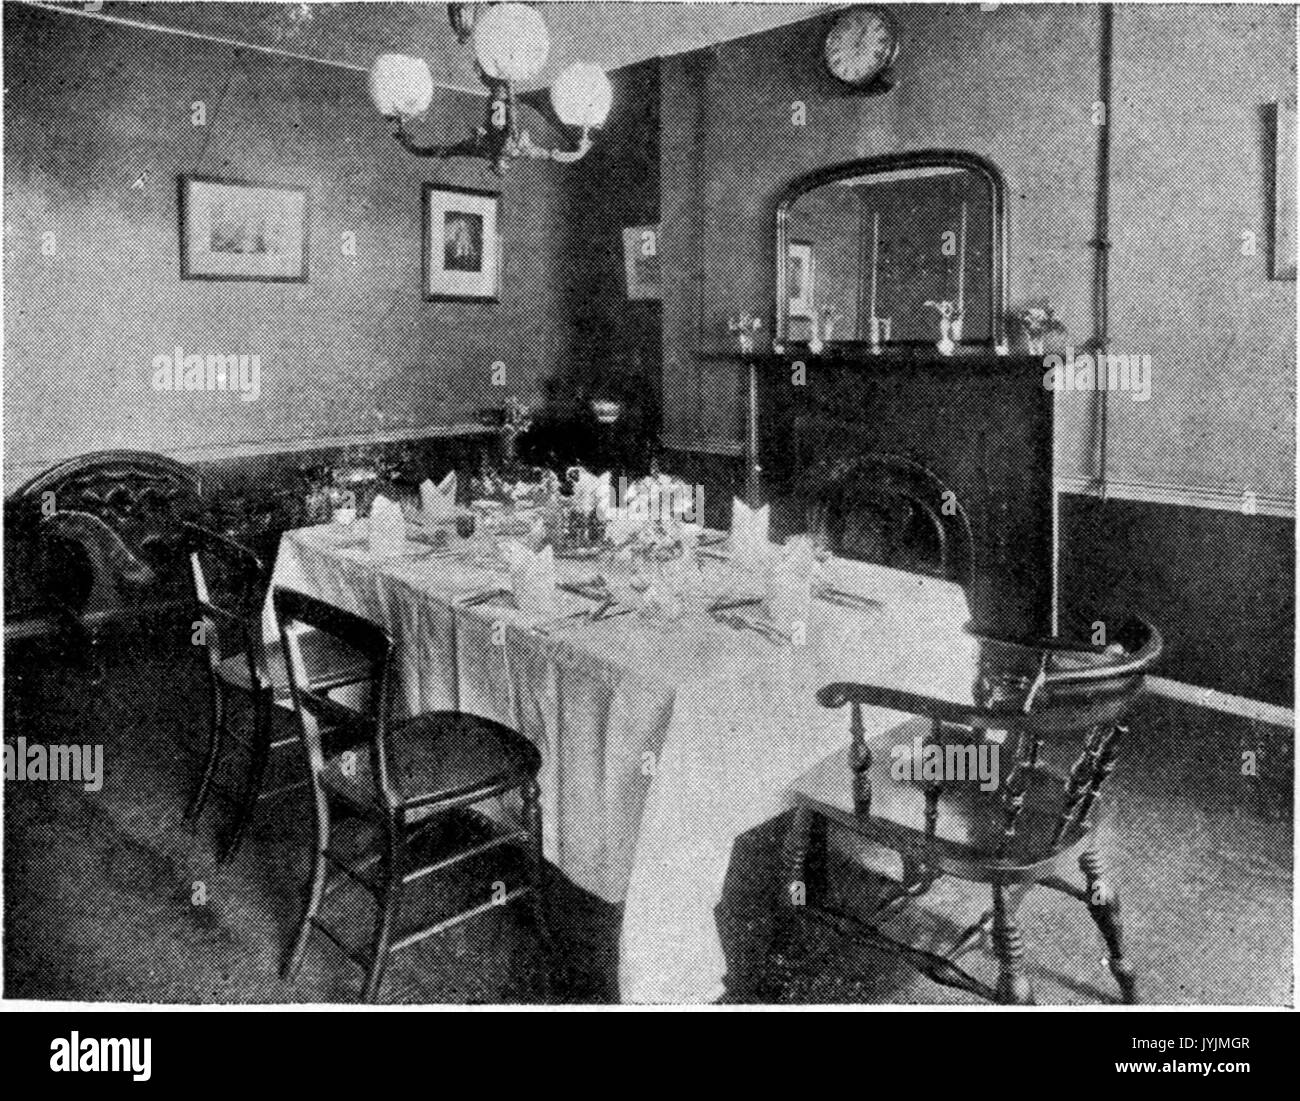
(462, 250)
(611, 504)
(641, 261)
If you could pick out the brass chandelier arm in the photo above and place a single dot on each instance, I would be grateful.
(494, 146)
(525, 147)
(475, 146)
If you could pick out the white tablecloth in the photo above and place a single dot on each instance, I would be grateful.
(661, 744)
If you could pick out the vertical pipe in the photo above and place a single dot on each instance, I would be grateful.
(1101, 273)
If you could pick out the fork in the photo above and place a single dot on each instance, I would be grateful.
(481, 597)
(741, 623)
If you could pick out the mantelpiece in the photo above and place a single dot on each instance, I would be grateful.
(981, 424)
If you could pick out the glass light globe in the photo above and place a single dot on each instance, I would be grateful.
(582, 95)
(511, 42)
(400, 85)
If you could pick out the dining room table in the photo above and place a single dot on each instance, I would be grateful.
(667, 728)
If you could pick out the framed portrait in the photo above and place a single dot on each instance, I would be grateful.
(462, 244)
(799, 278)
(1284, 194)
(641, 263)
(243, 231)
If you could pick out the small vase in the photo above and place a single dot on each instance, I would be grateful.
(946, 346)
(606, 410)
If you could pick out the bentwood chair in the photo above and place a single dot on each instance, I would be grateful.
(402, 778)
(229, 585)
(1024, 831)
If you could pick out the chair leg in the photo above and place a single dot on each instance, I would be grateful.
(1103, 905)
(1009, 942)
(532, 809)
(532, 800)
(389, 902)
(793, 895)
(263, 722)
(216, 740)
(316, 890)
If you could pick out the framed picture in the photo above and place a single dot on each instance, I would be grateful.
(462, 244)
(641, 262)
(1284, 194)
(799, 278)
(243, 231)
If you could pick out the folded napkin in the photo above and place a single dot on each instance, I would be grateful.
(591, 492)
(690, 538)
(532, 575)
(438, 502)
(749, 542)
(387, 527)
(788, 583)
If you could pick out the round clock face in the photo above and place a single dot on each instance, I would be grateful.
(860, 45)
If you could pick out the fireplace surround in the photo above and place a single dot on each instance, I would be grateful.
(977, 427)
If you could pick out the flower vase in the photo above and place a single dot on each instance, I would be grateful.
(946, 345)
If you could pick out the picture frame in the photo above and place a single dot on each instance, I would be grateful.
(461, 231)
(1285, 252)
(800, 274)
(243, 231)
(641, 263)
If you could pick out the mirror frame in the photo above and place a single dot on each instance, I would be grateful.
(930, 158)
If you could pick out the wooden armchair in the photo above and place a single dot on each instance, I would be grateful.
(1014, 827)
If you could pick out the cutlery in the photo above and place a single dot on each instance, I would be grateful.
(608, 608)
(595, 589)
(726, 604)
(482, 597)
(846, 599)
(772, 634)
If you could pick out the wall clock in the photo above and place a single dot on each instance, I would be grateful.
(860, 49)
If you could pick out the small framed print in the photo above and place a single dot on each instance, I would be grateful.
(462, 245)
(799, 278)
(238, 230)
(641, 262)
(1284, 194)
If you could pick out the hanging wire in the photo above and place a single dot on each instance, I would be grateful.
(236, 62)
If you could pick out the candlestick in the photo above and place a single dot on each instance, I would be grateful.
(961, 265)
(875, 266)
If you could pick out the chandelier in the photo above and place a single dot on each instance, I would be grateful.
(510, 43)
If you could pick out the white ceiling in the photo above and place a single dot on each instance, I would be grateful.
(611, 32)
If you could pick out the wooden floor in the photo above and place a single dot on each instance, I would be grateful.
(108, 896)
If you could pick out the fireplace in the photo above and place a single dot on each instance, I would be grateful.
(888, 509)
(974, 433)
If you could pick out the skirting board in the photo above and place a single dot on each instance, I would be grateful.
(1263, 504)
(1228, 704)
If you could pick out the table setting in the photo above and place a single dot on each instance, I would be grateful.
(667, 675)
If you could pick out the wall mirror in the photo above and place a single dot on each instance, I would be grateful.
(869, 252)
